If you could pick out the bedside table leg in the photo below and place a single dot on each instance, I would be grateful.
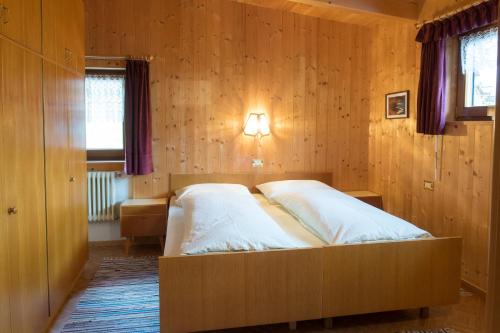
(127, 246)
(328, 323)
(162, 243)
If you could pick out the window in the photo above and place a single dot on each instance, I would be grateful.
(104, 106)
(477, 74)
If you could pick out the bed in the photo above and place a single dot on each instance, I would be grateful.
(238, 289)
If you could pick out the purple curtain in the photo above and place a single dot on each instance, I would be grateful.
(138, 150)
(431, 88)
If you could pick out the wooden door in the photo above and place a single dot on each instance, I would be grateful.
(57, 179)
(65, 159)
(4, 239)
(22, 22)
(23, 171)
(78, 170)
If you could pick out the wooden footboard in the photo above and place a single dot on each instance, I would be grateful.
(215, 291)
(376, 277)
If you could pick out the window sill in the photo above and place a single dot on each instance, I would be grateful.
(118, 166)
(470, 122)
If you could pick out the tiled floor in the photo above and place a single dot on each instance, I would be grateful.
(465, 317)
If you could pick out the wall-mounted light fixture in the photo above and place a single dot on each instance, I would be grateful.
(257, 125)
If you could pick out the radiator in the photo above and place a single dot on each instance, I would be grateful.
(101, 191)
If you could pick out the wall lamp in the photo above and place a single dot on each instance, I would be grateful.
(257, 125)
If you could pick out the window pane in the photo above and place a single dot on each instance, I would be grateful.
(104, 105)
(479, 63)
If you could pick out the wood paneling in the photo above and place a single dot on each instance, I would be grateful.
(22, 22)
(400, 159)
(65, 159)
(215, 61)
(323, 85)
(434, 8)
(23, 187)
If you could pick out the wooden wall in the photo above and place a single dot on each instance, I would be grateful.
(434, 8)
(323, 85)
(217, 60)
(400, 160)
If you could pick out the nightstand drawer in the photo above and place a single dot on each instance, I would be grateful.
(143, 225)
(144, 210)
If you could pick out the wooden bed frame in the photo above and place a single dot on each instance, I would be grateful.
(228, 290)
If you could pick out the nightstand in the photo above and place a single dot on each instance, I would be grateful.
(143, 218)
(369, 197)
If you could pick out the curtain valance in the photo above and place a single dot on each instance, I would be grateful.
(431, 101)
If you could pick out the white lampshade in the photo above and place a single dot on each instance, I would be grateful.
(264, 125)
(252, 125)
(256, 125)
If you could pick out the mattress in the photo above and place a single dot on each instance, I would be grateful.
(175, 226)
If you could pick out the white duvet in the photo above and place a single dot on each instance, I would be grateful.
(336, 217)
(229, 221)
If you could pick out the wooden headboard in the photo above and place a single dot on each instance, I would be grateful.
(178, 181)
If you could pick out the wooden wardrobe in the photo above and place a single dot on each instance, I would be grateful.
(43, 216)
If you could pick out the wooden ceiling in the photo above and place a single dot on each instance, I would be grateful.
(363, 12)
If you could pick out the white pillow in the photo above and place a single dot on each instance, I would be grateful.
(209, 188)
(217, 222)
(273, 189)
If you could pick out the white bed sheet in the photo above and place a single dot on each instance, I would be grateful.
(292, 227)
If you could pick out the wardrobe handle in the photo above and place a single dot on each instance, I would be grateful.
(12, 210)
(68, 55)
(71, 179)
(5, 14)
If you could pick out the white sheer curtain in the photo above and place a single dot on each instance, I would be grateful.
(476, 46)
(104, 105)
(479, 62)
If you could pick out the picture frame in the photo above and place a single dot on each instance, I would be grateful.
(397, 105)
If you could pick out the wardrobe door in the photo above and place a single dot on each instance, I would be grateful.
(4, 239)
(63, 34)
(24, 186)
(60, 238)
(22, 22)
(78, 170)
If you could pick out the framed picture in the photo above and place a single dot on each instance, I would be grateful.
(396, 105)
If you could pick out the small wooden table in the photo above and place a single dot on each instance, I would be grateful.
(369, 197)
(143, 218)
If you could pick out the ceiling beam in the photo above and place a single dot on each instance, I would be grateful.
(407, 9)
(355, 11)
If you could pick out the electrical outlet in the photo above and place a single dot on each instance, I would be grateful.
(257, 163)
(429, 185)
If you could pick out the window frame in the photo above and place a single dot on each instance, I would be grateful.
(469, 113)
(102, 155)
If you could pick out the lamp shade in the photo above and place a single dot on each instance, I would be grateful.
(256, 125)
(264, 125)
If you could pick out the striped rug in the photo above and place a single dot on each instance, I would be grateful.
(442, 330)
(122, 297)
